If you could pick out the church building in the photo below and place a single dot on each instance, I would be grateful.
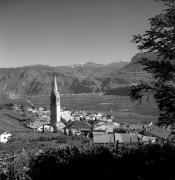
(55, 112)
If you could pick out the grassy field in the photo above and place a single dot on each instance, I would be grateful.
(35, 140)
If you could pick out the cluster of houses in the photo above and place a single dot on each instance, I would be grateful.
(97, 127)
(100, 128)
(80, 115)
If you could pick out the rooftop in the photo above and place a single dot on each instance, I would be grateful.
(159, 132)
(79, 125)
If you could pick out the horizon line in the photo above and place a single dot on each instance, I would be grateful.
(71, 65)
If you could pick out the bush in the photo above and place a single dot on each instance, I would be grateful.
(96, 161)
(144, 162)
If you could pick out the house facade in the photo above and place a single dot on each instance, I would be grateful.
(77, 128)
(5, 136)
(45, 128)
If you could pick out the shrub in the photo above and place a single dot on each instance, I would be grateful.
(97, 161)
(144, 162)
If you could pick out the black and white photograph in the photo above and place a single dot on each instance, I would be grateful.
(87, 89)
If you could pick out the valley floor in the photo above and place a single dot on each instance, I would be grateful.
(120, 107)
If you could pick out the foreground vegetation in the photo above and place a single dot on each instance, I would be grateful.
(35, 140)
(95, 161)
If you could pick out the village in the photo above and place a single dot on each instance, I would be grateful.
(99, 128)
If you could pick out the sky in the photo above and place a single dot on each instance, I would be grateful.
(66, 32)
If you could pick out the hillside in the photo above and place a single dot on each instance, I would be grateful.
(36, 79)
(119, 82)
(133, 66)
(8, 122)
(81, 78)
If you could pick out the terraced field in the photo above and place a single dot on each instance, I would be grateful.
(11, 124)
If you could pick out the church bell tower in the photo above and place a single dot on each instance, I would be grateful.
(54, 104)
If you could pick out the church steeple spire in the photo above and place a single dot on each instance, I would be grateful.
(55, 88)
(54, 104)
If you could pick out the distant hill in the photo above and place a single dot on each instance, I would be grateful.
(93, 65)
(133, 66)
(36, 79)
(118, 82)
(82, 78)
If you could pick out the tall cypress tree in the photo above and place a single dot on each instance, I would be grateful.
(159, 39)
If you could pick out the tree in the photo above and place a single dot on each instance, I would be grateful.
(159, 39)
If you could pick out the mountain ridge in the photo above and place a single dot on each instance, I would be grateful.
(85, 78)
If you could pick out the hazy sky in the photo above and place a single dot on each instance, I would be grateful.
(64, 32)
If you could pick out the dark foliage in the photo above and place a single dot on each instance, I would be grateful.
(147, 162)
(96, 161)
(160, 39)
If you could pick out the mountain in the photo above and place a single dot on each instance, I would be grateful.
(113, 78)
(91, 64)
(133, 66)
(30, 80)
(87, 64)
(119, 82)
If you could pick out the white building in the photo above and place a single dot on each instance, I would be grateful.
(4, 136)
(45, 128)
(66, 115)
